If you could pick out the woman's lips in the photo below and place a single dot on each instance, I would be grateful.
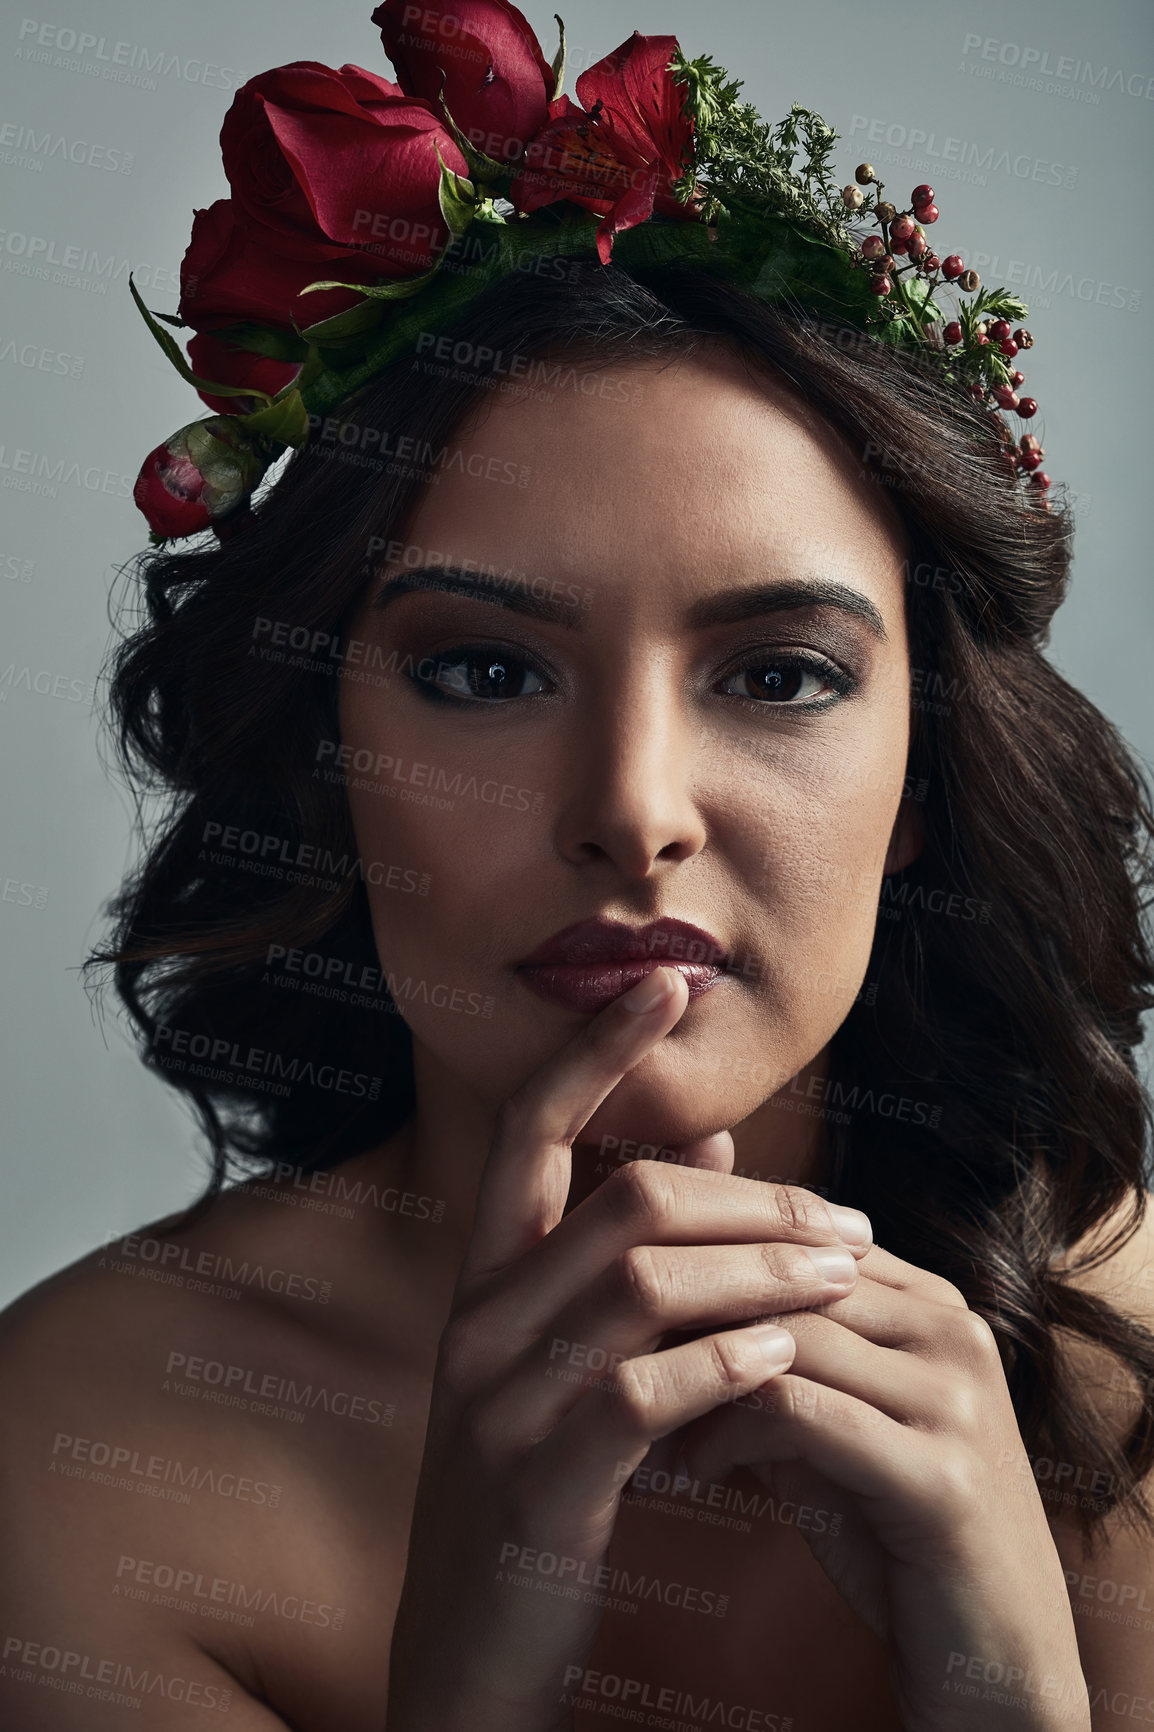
(589, 964)
(591, 986)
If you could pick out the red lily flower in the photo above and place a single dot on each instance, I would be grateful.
(622, 152)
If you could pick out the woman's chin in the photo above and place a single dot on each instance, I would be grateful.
(657, 1119)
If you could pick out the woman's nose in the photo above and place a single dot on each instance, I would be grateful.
(631, 781)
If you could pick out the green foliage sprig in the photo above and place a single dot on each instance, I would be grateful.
(745, 165)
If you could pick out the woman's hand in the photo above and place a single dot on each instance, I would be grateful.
(548, 1381)
(895, 1410)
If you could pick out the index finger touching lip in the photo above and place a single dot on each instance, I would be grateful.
(526, 1177)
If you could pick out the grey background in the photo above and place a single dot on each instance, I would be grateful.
(1050, 185)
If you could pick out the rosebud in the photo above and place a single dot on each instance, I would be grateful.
(170, 491)
(203, 472)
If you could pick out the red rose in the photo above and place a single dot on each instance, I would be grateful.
(339, 158)
(620, 154)
(497, 80)
(235, 271)
(169, 490)
(226, 365)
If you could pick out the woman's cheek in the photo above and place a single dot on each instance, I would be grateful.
(817, 884)
(445, 953)
(457, 846)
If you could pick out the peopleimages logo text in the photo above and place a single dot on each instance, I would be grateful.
(119, 57)
(1024, 57)
(263, 1062)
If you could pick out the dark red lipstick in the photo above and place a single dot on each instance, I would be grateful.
(587, 965)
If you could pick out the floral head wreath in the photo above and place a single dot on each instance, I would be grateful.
(394, 204)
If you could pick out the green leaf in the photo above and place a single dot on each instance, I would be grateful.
(484, 169)
(263, 340)
(486, 253)
(487, 212)
(395, 289)
(457, 196)
(172, 350)
(799, 266)
(652, 244)
(286, 420)
(1006, 305)
(558, 61)
(914, 292)
(997, 367)
(342, 327)
(314, 366)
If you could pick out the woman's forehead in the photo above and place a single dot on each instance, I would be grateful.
(688, 470)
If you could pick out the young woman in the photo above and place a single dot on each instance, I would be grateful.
(665, 945)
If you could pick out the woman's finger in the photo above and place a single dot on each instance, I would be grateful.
(604, 1436)
(529, 1167)
(905, 1319)
(890, 1271)
(907, 1387)
(655, 1203)
(848, 1440)
(650, 1292)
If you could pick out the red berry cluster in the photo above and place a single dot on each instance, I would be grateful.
(1026, 459)
(903, 236)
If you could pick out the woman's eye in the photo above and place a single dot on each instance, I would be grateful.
(495, 673)
(785, 680)
(478, 672)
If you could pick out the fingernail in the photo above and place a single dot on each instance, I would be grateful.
(776, 1344)
(851, 1225)
(650, 990)
(834, 1263)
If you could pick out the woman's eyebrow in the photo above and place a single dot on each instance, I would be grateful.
(726, 608)
(477, 586)
(732, 605)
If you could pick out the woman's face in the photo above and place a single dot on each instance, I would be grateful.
(707, 722)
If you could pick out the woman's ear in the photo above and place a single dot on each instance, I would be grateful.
(907, 838)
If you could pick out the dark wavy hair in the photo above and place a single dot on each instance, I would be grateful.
(1010, 964)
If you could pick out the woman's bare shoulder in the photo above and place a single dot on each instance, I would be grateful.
(1114, 1260)
(187, 1405)
(297, 1253)
(242, 1266)
(225, 1325)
